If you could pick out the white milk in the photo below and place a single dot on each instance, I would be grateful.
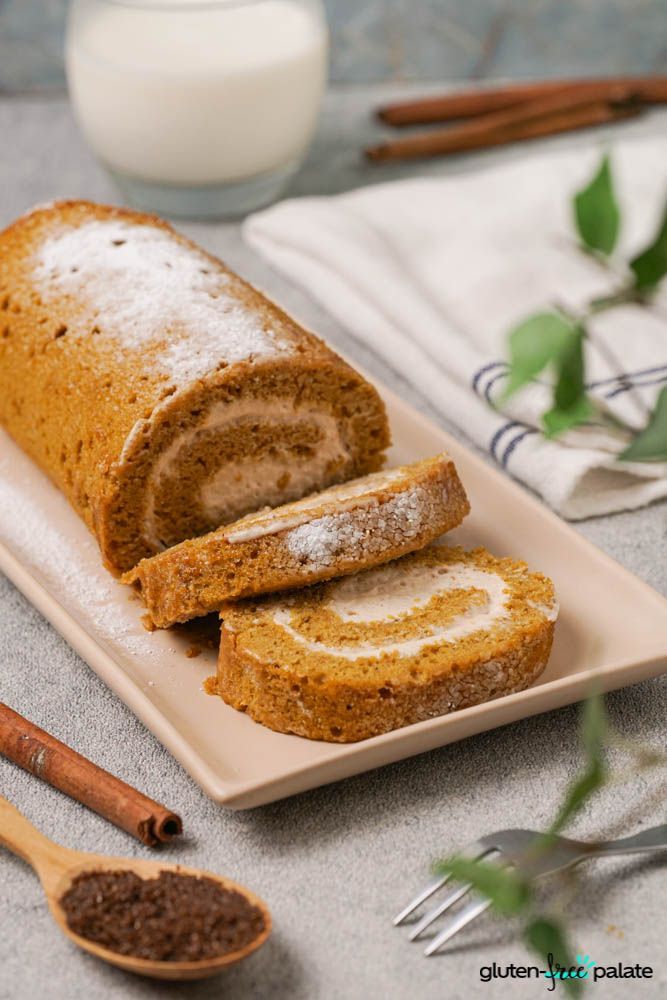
(200, 93)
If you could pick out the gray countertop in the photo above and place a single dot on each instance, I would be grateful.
(335, 863)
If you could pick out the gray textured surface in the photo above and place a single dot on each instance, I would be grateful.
(375, 40)
(334, 864)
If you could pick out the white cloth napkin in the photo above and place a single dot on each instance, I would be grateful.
(432, 273)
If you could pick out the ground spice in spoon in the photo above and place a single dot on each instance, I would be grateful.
(171, 918)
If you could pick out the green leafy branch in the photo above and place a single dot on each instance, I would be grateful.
(554, 339)
(513, 895)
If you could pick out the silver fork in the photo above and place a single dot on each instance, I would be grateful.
(521, 850)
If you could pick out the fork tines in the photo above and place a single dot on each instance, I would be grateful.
(473, 908)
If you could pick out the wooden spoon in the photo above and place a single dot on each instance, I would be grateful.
(57, 866)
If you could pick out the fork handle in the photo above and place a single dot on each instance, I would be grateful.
(647, 840)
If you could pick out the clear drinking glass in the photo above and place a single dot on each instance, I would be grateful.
(198, 108)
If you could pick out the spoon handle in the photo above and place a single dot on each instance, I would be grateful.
(20, 836)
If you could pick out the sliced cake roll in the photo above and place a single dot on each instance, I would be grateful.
(346, 528)
(435, 631)
(164, 395)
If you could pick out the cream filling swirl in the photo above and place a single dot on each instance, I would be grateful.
(230, 489)
(387, 594)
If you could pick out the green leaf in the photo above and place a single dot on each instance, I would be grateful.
(650, 266)
(593, 730)
(650, 445)
(594, 727)
(551, 339)
(570, 385)
(508, 892)
(546, 937)
(571, 405)
(596, 211)
(578, 793)
(535, 343)
(556, 420)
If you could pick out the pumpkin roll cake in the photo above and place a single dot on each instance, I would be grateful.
(433, 632)
(346, 528)
(163, 394)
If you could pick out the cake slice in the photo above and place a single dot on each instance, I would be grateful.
(344, 529)
(433, 632)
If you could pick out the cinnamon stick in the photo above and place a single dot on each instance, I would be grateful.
(547, 116)
(471, 103)
(54, 762)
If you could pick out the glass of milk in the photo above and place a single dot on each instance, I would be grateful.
(198, 108)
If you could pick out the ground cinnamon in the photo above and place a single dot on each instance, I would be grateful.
(171, 918)
(52, 761)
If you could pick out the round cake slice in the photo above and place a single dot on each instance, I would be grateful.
(433, 632)
(342, 530)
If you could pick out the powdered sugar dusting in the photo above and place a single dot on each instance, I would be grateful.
(352, 494)
(144, 287)
(44, 549)
(363, 531)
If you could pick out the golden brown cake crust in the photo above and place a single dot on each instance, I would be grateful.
(119, 338)
(274, 662)
(345, 529)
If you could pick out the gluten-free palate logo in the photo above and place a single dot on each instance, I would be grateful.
(586, 969)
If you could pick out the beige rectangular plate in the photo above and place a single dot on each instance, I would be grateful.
(612, 629)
